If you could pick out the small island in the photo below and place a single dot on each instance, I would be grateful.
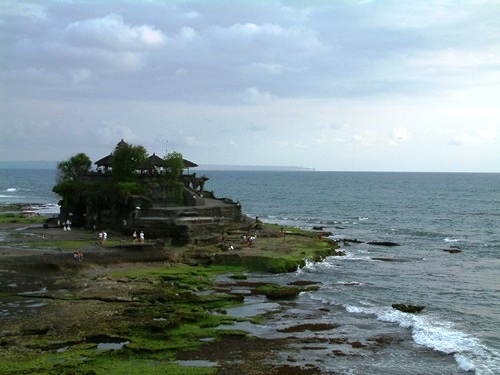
(131, 192)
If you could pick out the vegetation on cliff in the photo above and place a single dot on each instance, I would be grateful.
(106, 196)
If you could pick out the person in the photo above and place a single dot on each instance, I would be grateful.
(250, 240)
(101, 237)
(141, 236)
(68, 224)
(78, 255)
(134, 237)
(104, 236)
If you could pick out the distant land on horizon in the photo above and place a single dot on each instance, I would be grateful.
(48, 164)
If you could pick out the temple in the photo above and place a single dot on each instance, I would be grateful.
(195, 216)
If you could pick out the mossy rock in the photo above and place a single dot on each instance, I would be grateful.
(276, 292)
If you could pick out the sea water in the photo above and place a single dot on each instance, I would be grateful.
(30, 186)
(425, 213)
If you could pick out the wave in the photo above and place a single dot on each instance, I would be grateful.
(40, 208)
(49, 208)
(448, 239)
(13, 189)
(429, 331)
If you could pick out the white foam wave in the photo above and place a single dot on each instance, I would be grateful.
(448, 239)
(48, 209)
(11, 189)
(312, 267)
(429, 331)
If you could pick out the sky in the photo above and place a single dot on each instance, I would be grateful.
(332, 85)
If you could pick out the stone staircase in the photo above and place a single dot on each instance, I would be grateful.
(202, 224)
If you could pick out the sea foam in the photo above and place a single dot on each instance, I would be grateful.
(429, 331)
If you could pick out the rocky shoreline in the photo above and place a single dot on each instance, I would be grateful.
(144, 299)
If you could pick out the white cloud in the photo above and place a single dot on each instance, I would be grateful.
(366, 138)
(79, 76)
(12, 8)
(110, 133)
(476, 137)
(266, 68)
(112, 33)
(400, 134)
(254, 96)
(452, 58)
(187, 33)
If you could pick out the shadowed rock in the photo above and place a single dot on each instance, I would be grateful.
(407, 308)
(383, 243)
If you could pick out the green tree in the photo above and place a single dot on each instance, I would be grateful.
(174, 164)
(127, 159)
(69, 182)
(76, 166)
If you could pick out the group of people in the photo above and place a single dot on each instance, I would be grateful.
(66, 225)
(141, 237)
(249, 240)
(78, 255)
(103, 236)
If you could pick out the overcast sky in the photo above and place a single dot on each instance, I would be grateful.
(332, 85)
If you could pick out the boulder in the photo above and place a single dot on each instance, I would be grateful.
(383, 243)
(411, 309)
(453, 251)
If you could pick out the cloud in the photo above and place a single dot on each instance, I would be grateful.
(400, 134)
(327, 77)
(475, 137)
(110, 132)
(366, 138)
(10, 8)
(112, 33)
(267, 68)
(254, 96)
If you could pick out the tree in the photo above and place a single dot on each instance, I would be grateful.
(76, 166)
(174, 164)
(127, 159)
(69, 185)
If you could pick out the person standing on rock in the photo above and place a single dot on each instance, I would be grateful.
(141, 237)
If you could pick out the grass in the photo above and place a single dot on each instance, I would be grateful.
(19, 218)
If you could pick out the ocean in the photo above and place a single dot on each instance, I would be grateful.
(425, 213)
(30, 186)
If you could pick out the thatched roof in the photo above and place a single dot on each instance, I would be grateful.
(153, 162)
(106, 161)
(189, 164)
